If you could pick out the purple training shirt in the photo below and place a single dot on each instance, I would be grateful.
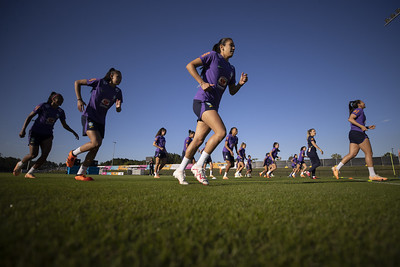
(47, 117)
(232, 141)
(360, 118)
(102, 97)
(217, 71)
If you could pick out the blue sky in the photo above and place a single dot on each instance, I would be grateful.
(305, 60)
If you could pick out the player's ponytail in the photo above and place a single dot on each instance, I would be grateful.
(111, 71)
(217, 48)
(160, 131)
(353, 105)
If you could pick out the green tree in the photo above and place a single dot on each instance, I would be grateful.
(336, 156)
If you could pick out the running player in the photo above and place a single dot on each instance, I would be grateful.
(273, 157)
(41, 133)
(294, 166)
(249, 166)
(231, 142)
(241, 157)
(217, 73)
(312, 153)
(210, 163)
(359, 140)
(103, 96)
(266, 163)
(161, 152)
(188, 140)
(301, 165)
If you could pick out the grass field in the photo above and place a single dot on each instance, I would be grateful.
(141, 221)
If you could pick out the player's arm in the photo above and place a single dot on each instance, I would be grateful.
(66, 127)
(352, 120)
(191, 67)
(118, 105)
(155, 144)
(26, 122)
(81, 104)
(233, 89)
(317, 147)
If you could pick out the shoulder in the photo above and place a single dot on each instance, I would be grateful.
(357, 111)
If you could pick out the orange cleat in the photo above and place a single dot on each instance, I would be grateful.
(267, 175)
(377, 178)
(156, 176)
(225, 178)
(17, 170)
(302, 175)
(30, 176)
(335, 172)
(70, 160)
(82, 177)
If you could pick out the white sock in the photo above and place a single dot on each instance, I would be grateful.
(19, 164)
(204, 156)
(211, 172)
(340, 165)
(268, 172)
(371, 171)
(226, 174)
(302, 173)
(82, 170)
(31, 170)
(77, 151)
(183, 164)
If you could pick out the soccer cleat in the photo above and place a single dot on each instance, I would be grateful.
(180, 175)
(302, 175)
(214, 178)
(156, 176)
(260, 174)
(314, 178)
(30, 176)
(236, 175)
(272, 175)
(267, 175)
(377, 178)
(225, 178)
(70, 160)
(81, 177)
(307, 173)
(335, 172)
(17, 170)
(294, 175)
(199, 173)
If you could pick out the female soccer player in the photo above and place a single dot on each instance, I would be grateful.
(188, 140)
(217, 73)
(241, 157)
(359, 140)
(266, 163)
(103, 96)
(41, 133)
(312, 153)
(249, 166)
(273, 157)
(231, 142)
(161, 152)
(301, 165)
(294, 166)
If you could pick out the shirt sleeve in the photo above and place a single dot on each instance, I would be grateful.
(93, 82)
(207, 58)
(62, 115)
(38, 109)
(357, 112)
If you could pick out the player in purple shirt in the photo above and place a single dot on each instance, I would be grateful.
(294, 161)
(249, 166)
(312, 153)
(273, 157)
(231, 142)
(104, 94)
(358, 140)
(217, 74)
(187, 142)
(41, 133)
(161, 151)
(266, 163)
(301, 165)
(241, 157)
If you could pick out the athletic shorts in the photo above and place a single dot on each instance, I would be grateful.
(228, 157)
(249, 167)
(160, 154)
(357, 137)
(300, 163)
(90, 125)
(199, 107)
(209, 160)
(35, 139)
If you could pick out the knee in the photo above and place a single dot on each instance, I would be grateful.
(32, 155)
(220, 135)
(95, 144)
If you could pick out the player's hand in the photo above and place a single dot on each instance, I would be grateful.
(76, 135)
(243, 78)
(322, 152)
(81, 105)
(22, 134)
(206, 86)
(371, 127)
(118, 103)
(232, 153)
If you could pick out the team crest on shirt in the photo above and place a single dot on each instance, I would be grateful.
(50, 121)
(105, 103)
(91, 125)
(209, 104)
(222, 81)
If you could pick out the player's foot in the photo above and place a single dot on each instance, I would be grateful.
(272, 175)
(157, 176)
(180, 175)
(17, 170)
(308, 173)
(377, 178)
(70, 160)
(293, 175)
(82, 177)
(30, 176)
(302, 175)
(335, 172)
(199, 173)
(267, 176)
(214, 178)
(260, 174)
(314, 178)
(225, 178)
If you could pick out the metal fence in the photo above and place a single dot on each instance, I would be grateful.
(382, 161)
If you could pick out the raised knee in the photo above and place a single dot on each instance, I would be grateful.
(220, 135)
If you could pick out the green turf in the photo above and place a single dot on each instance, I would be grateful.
(141, 221)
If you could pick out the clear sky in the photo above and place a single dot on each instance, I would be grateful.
(305, 60)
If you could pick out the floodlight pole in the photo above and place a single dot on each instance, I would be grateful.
(112, 161)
